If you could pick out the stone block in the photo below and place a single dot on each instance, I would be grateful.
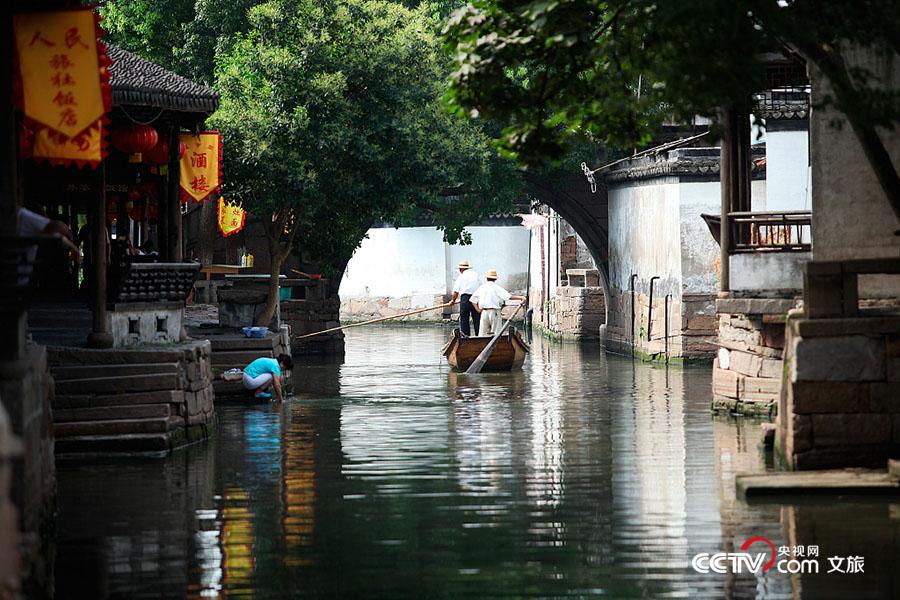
(802, 433)
(851, 429)
(884, 397)
(771, 368)
(135, 411)
(773, 336)
(704, 322)
(845, 358)
(838, 457)
(831, 397)
(762, 385)
(746, 363)
(757, 306)
(892, 348)
(893, 370)
(726, 383)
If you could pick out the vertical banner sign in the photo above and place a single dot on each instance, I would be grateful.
(231, 218)
(201, 165)
(62, 85)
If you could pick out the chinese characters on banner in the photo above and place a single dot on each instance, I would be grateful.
(62, 85)
(231, 218)
(200, 165)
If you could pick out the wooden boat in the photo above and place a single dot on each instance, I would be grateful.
(508, 354)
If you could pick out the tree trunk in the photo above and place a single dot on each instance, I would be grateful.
(280, 246)
(272, 299)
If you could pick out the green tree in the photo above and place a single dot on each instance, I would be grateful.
(615, 69)
(332, 120)
(182, 35)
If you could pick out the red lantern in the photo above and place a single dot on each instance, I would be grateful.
(159, 154)
(134, 138)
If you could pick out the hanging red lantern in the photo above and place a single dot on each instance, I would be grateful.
(134, 138)
(159, 154)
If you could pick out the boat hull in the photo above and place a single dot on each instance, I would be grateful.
(508, 354)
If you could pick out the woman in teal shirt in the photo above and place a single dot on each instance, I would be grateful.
(265, 372)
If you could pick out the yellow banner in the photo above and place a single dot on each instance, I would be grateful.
(59, 69)
(231, 218)
(200, 165)
(85, 148)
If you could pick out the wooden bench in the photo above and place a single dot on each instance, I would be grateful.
(831, 288)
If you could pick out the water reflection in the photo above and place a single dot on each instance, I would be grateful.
(390, 476)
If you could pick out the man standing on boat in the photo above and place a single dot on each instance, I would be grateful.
(488, 299)
(465, 286)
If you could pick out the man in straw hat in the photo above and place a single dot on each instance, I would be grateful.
(488, 299)
(465, 285)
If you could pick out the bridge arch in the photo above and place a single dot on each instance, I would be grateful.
(588, 213)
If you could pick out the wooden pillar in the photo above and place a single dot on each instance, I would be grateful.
(100, 337)
(173, 241)
(8, 167)
(162, 218)
(742, 166)
(726, 185)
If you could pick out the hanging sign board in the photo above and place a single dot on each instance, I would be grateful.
(62, 85)
(200, 165)
(231, 218)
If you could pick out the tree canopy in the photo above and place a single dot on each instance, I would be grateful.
(616, 69)
(334, 110)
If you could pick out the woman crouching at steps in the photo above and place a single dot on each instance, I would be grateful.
(265, 372)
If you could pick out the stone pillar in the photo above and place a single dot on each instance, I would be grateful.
(840, 405)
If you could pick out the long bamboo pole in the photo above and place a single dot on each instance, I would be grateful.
(414, 312)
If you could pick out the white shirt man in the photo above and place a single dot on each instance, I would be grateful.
(488, 299)
(29, 224)
(463, 288)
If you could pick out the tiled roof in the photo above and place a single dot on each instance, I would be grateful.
(139, 82)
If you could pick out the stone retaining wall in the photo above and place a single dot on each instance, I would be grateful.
(748, 365)
(365, 308)
(577, 312)
(145, 401)
(26, 390)
(692, 326)
(840, 403)
(309, 316)
(10, 586)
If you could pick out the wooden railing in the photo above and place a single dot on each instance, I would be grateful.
(785, 231)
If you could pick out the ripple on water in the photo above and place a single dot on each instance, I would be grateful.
(390, 476)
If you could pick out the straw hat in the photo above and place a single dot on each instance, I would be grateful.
(463, 264)
(491, 275)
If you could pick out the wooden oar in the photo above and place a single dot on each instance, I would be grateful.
(478, 363)
(414, 312)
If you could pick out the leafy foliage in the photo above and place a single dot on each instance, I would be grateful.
(616, 69)
(333, 111)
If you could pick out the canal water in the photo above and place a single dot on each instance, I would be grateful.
(389, 476)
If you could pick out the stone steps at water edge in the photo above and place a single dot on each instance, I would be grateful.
(139, 443)
(121, 412)
(117, 427)
(124, 383)
(75, 401)
(69, 372)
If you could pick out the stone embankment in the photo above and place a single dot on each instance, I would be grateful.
(146, 401)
